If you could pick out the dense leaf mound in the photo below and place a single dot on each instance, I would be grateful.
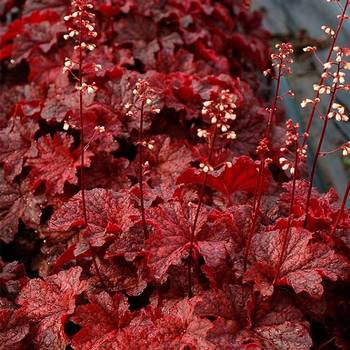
(107, 286)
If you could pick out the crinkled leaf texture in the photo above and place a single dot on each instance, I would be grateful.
(55, 164)
(12, 277)
(280, 328)
(170, 243)
(100, 318)
(14, 326)
(247, 321)
(168, 159)
(16, 144)
(304, 263)
(17, 203)
(47, 304)
(323, 207)
(108, 213)
(176, 327)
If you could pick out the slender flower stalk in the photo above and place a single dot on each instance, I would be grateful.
(142, 200)
(292, 139)
(322, 88)
(281, 62)
(82, 28)
(194, 226)
(219, 113)
(329, 115)
(82, 137)
(334, 34)
(144, 103)
(342, 207)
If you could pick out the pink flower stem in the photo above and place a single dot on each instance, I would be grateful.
(341, 211)
(81, 114)
(194, 226)
(142, 203)
(318, 149)
(82, 152)
(260, 182)
(290, 217)
(322, 79)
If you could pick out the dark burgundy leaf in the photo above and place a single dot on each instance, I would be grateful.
(323, 207)
(170, 242)
(12, 277)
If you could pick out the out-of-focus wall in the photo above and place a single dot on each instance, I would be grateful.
(286, 19)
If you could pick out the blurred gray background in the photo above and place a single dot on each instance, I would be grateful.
(300, 21)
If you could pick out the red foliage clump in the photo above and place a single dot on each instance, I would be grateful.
(142, 205)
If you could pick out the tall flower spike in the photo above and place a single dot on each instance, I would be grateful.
(333, 77)
(327, 65)
(219, 113)
(144, 101)
(81, 28)
(281, 61)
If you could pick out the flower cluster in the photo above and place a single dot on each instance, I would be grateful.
(133, 244)
(333, 78)
(338, 113)
(81, 23)
(291, 146)
(328, 30)
(143, 98)
(281, 59)
(346, 148)
(220, 113)
(81, 28)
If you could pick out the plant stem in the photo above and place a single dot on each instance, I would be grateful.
(289, 223)
(341, 211)
(94, 261)
(193, 230)
(322, 79)
(318, 149)
(260, 182)
(82, 151)
(142, 203)
(322, 346)
(81, 114)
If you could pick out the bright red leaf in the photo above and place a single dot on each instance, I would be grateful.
(16, 144)
(47, 304)
(55, 163)
(239, 175)
(17, 203)
(304, 264)
(103, 315)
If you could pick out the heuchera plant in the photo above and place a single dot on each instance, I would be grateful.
(151, 194)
